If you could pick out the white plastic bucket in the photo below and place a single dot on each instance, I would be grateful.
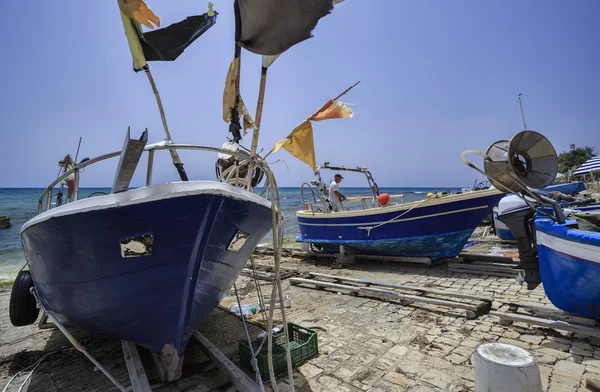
(502, 367)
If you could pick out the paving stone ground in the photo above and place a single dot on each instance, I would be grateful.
(364, 344)
(374, 345)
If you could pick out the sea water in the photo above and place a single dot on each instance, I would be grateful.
(20, 205)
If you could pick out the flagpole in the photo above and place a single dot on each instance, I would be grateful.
(522, 113)
(174, 156)
(346, 91)
(257, 120)
(259, 110)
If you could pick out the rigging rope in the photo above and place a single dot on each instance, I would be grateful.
(369, 228)
(253, 361)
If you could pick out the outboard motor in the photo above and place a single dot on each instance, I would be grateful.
(527, 161)
(519, 220)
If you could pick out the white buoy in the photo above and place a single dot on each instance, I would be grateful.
(501, 367)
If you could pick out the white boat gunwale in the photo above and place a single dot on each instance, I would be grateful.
(149, 192)
(308, 214)
(145, 195)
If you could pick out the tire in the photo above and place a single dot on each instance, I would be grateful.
(22, 307)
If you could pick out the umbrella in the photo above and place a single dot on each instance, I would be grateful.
(591, 165)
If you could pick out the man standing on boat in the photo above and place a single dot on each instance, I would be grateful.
(334, 192)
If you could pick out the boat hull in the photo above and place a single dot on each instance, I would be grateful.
(569, 266)
(502, 231)
(90, 270)
(436, 228)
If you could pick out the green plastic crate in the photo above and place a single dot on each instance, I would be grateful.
(303, 345)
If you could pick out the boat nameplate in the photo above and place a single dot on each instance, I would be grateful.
(137, 246)
(239, 239)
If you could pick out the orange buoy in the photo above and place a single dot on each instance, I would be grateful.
(383, 199)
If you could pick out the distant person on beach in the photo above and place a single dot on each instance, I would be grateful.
(334, 192)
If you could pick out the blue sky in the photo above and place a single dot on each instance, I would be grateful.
(437, 77)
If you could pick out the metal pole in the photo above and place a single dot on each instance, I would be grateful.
(174, 156)
(522, 114)
(76, 185)
(77, 153)
(150, 166)
(76, 344)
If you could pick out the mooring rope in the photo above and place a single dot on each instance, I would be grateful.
(369, 228)
(34, 366)
(253, 360)
(75, 343)
(277, 223)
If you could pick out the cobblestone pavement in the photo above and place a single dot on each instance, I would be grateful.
(367, 344)
(373, 345)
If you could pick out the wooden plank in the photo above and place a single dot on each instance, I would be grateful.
(317, 283)
(555, 324)
(495, 258)
(593, 384)
(241, 381)
(368, 291)
(480, 267)
(137, 374)
(401, 287)
(552, 313)
(380, 293)
(396, 259)
(484, 273)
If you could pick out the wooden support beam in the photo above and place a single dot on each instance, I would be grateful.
(479, 267)
(372, 291)
(137, 374)
(556, 324)
(494, 258)
(241, 381)
(383, 294)
(593, 384)
(401, 287)
(551, 313)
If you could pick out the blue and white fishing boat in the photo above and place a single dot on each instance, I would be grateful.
(437, 227)
(553, 249)
(569, 262)
(509, 201)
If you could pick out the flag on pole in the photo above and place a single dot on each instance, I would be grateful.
(270, 27)
(165, 44)
(300, 142)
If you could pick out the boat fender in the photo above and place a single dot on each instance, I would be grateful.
(22, 308)
(383, 199)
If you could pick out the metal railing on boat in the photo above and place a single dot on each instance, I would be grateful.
(230, 175)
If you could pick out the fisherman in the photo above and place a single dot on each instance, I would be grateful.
(334, 192)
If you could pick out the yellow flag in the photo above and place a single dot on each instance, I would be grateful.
(300, 144)
(230, 94)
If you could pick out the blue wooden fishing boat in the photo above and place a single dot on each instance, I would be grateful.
(437, 227)
(144, 265)
(510, 201)
(569, 262)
